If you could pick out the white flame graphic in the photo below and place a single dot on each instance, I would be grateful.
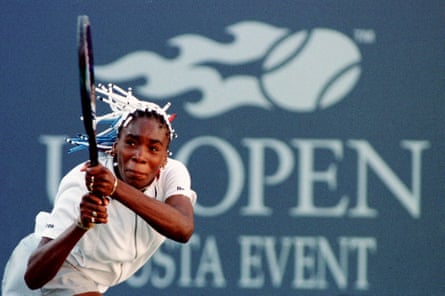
(192, 70)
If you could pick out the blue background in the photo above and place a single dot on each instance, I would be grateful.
(400, 96)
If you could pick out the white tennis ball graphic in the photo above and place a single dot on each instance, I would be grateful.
(306, 71)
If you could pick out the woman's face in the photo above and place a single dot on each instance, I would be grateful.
(141, 150)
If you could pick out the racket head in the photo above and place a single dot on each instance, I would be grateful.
(87, 89)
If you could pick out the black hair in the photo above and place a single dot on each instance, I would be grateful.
(147, 114)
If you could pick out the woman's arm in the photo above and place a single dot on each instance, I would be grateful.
(46, 260)
(174, 218)
(49, 256)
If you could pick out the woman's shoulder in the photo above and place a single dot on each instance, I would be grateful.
(175, 167)
(174, 163)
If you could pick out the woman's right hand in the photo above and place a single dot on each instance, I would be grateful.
(93, 210)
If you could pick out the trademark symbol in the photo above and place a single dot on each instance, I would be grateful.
(366, 36)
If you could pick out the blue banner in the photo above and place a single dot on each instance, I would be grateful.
(313, 132)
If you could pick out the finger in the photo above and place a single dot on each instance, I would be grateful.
(94, 170)
(93, 199)
(94, 206)
(85, 166)
(93, 216)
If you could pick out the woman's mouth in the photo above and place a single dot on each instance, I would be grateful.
(134, 174)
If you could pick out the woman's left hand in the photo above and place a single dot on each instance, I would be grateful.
(100, 180)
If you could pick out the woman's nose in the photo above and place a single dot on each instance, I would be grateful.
(140, 155)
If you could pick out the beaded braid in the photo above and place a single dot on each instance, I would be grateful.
(125, 107)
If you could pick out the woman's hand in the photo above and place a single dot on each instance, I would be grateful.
(100, 180)
(93, 210)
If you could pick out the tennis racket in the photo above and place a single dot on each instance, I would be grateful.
(87, 89)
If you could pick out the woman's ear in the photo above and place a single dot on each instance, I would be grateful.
(113, 149)
(164, 161)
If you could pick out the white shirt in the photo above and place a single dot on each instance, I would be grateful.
(111, 253)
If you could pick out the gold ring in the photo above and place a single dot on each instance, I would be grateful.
(91, 186)
(94, 213)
